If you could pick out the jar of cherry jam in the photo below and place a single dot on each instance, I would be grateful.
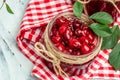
(71, 38)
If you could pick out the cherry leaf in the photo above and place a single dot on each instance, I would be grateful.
(9, 9)
(114, 57)
(77, 9)
(111, 41)
(102, 17)
(101, 30)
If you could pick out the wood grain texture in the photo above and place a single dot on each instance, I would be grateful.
(13, 64)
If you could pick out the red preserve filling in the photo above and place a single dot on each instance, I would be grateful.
(71, 36)
(100, 5)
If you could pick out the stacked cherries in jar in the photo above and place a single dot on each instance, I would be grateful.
(71, 35)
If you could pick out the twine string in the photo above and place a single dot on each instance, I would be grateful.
(84, 2)
(40, 48)
(113, 2)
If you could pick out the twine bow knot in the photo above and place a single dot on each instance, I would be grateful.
(39, 47)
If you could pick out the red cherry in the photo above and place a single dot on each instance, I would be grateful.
(74, 43)
(84, 39)
(68, 33)
(85, 48)
(60, 21)
(69, 21)
(53, 30)
(89, 33)
(77, 23)
(95, 41)
(92, 46)
(91, 37)
(78, 32)
(56, 39)
(61, 47)
(62, 29)
(85, 28)
(69, 50)
(76, 53)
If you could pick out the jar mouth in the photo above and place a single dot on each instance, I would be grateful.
(93, 52)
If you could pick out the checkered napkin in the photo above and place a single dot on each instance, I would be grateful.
(37, 15)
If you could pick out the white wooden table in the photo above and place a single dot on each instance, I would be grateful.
(13, 64)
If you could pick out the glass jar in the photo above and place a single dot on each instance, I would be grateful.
(70, 63)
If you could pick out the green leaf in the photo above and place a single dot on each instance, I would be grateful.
(77, 9)
(111, 41)
(102, 17)
(114, 57)
(101, 30)
(9, 9)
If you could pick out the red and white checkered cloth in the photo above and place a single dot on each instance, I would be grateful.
(37, 15)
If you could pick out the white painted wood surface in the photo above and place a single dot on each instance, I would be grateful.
(13, 64)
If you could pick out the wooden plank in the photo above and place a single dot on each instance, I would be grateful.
(13, 64)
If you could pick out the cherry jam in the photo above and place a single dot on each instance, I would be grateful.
(71, 36)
